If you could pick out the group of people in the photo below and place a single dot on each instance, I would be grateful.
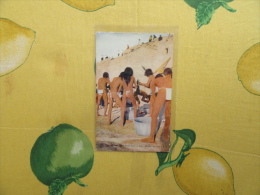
(121, 89)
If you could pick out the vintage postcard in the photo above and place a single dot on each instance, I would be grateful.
(133, 91)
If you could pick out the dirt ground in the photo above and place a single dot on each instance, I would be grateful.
(115, 138)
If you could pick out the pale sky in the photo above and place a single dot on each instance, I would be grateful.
(110, 43)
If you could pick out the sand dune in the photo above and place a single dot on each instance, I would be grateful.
(148, 55)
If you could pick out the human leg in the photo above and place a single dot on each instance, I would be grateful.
(123, 107)
(151, 105)
(167, 115)
(133, 101)
(110, 106)
(117, 99)
(105, 98)
(98, 102)
(157, 106)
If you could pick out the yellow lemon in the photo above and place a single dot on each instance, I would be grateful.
(204, 172)
(248, 69)
(15, 45)
(89, 5)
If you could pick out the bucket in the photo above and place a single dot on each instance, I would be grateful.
(143, 125)
(129, 113)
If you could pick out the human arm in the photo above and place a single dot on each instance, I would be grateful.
(148, 83)
(134, 82)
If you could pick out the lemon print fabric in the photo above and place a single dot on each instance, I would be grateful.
(205, 9)
(89, 5)
(197, 171)
(248, 69)
(15, 45)
(61, 156)
(204, 172)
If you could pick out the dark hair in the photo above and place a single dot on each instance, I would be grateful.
(158, 75)
(127, 74)
(148, 72)
(105, 75)
(129, 71)
(167, 71)
(121, 75)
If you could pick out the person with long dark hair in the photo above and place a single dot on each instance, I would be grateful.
(115, 86)
(129, 83)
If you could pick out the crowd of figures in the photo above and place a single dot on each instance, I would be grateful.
(125, 88)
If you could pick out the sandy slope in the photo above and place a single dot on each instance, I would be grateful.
(149, 55)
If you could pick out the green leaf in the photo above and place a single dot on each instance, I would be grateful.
(204, 13)
(76, 180)
(57, 187)
(193, 3)
(161, 157)
(206, 8)
(227, 7)
(188, 135)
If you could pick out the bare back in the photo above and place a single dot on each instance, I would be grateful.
(130, 85)
(167, 82)
(159, 82)
(116, 83)
(102, 83)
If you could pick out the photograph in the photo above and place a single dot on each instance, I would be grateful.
(134, 74)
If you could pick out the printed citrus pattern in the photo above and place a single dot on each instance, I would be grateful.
(203, 168)
(61, 156)
(89, 5)
(197, 170)
(206, 8)
(248, 69)
(15, 45)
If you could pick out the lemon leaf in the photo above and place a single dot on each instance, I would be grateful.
(204, 13)
(206, 9)
(195, 3)
(188, 135)
(161, 157)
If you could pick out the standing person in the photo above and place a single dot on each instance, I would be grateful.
(128, 84)
(164, 85)
(102, 92)
(149, 73)
(115, 86)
